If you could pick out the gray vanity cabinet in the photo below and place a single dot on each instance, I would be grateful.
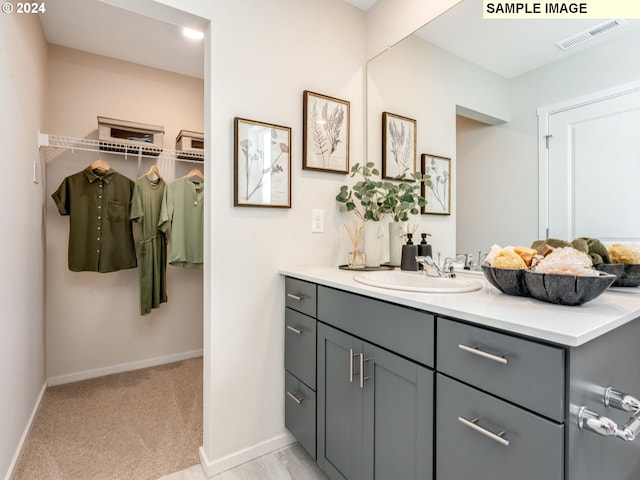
(300, 362)
(500, 400)
(375, 411)
(374, 388)
(481, 436)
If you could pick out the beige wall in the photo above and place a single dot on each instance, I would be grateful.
(94, 324)
(22, 97)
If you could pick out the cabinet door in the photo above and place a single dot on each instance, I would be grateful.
(339, 403)
(397, 417)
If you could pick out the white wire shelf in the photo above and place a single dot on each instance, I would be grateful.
(128, 150)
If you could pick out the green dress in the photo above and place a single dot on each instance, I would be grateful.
(145, 210)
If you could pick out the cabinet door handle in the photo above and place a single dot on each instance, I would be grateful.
(296, 397)
(295, 330)
(362, 377)
(596, 423)
(473, 424)
(295, 297)
(481, 353)
(351, 357)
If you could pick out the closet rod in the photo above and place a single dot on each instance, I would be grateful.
(89, 145)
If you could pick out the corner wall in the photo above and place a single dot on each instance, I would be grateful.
(22, 96)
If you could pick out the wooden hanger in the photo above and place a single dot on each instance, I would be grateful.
(100, 165)
(195, 174)
(153, 171)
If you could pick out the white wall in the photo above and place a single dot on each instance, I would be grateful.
(498, 166)
(310, 44)
(22, 96)
(94, 324)
(421, 81)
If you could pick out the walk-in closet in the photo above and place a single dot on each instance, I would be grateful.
(95, 321)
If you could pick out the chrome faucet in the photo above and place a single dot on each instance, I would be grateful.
(432, 269)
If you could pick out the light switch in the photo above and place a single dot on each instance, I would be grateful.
(317, 221)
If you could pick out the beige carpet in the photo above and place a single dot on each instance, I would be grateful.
(137, 425)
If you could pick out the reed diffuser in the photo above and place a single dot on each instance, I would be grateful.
(356, 257)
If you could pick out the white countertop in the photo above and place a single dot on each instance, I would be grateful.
(565, 325)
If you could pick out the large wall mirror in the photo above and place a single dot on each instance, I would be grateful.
(475, 87)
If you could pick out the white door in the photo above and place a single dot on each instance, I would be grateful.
(593, 169)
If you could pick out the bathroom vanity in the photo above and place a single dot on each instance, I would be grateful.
(391, 384)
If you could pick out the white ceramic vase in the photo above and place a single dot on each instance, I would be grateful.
(374, 244)
(396, 240)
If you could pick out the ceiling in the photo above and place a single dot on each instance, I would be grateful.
(507, 47)
(97, 27)
(510, 47)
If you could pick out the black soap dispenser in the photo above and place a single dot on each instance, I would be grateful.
(409, 254)
(424, 249)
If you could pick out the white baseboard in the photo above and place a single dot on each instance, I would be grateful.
(123, 367)
(25, 434)
(215, 467)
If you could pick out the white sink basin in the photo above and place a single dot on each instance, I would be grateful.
(416, 282)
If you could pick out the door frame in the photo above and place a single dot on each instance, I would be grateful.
(543, 131)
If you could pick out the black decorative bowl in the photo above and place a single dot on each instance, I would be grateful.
(507, 280)
(628, 274)
(566, 289)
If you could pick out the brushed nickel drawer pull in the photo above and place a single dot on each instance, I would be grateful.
(473, 424)
(362, 377)
(481, 353)
(295, 330)
(295, 297)
(352, 355)
(296, 397)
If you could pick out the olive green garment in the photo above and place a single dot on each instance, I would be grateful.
(145, 210)
(183, 215)
(100, 233)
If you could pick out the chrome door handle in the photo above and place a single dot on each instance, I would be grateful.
(481, 353)
(621, 401)
(296, 397)
(295, 330)
(473, 424)
(596, 423)
(295, 297)
(362, 377)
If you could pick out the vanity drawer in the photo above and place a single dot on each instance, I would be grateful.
(300, 412)
(535, 449)
(402, 330)
(300, 296)
(300, 346)
(525, 372)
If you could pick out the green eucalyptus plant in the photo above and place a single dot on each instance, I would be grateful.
(378, 198)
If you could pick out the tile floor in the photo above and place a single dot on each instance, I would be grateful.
(289, 463)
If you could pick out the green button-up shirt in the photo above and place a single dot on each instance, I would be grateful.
(100, 233)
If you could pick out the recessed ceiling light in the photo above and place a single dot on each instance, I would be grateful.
(192, 34)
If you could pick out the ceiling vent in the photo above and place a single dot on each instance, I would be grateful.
(579, 38)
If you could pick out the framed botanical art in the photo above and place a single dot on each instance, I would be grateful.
(325, 133)
(438, 194)
(398, 145)
(262, 164)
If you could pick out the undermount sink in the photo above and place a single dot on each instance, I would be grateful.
(416, 282)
